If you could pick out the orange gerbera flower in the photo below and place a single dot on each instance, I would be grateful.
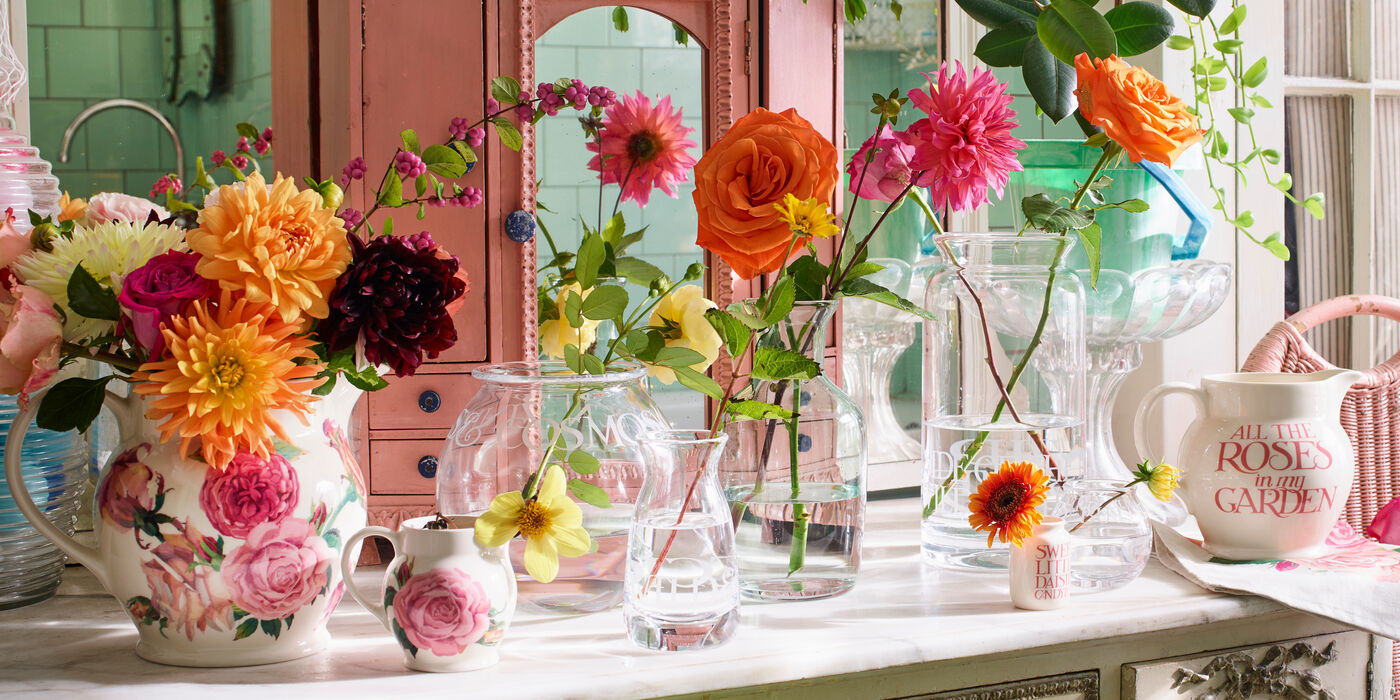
(276, 245)
(226, 370)
(1005, 502)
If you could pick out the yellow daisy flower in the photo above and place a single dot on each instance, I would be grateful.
(681, 316)
(1161, 479)
(807, 217)
(551, 524)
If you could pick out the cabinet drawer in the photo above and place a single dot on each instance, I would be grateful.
(403, 467)
(425, 401)
(1322, 666)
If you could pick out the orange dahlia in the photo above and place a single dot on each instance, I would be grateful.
(1005, 502)
(226, 369)
(277, 245)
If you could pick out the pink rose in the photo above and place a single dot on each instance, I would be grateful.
(248, 493)
(442, 610)
(888, 172)
(1385, 527)
(154, 292)
(115, 206)
(180, 590)
(126, 489)
(13, 243)
(280, 568)
(30, 335)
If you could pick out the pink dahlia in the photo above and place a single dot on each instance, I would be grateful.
(964, 145)
(888, 172)
(641, 147)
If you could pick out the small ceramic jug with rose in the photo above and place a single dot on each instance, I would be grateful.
(447, 599)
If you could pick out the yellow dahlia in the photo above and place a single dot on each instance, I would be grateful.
(276, 245)
(807, 217)
(1161, 479)
(226, 369)
(551, 524)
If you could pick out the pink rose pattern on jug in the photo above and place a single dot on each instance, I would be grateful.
(260, 566)
(441, 610)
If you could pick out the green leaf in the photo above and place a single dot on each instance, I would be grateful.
(808, 278)
(388, 227)
(420, 184)
(604, 302)
(780, 300)
(682, 36)
(898, 9)
(72, 404)
(1047, 215)
(444, 161)
(862, 269)
(1195, 8)
(1269, 154)
(1139, 26)
(855, 10)
(588, 493)
(507, 133)
(272, 628)
(997, 13)
(245, 629)
(1050, 82)
(573, 309)
(410, 140)
(505, 89)
(1228, 45)
(573, 359)
(1068, 28)
(592, 364)
(678, 357)
(619, 18)
(582, 462)
(735, 334)
(1135, 206)
(1232, 21)
(777, 364)
(1209, 65)
(630, 240)
(757, 410)
(392, 195)
(1212, 84)
(1179, 42)
(1260, 102)
(591, 254)
(637, 271)
(1284, 183)
(1091, 237)
(247, 130)
(1241, 114)
(866, 289)
(465, 150)
(1255, 75)
(1314, 205)
(697, 381)
(612, 232)
(89, 299)
(1274, 244)
(1005, 45)
(741, 311)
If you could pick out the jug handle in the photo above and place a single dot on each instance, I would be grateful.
(350, 553)
(89, 557)
(1198, 397)
(500, 557)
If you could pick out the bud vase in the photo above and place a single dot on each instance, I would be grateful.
(796, 486)
(1110, 534)
(219, 568)
(527, 413)
(1040, 567)
(1004, 368)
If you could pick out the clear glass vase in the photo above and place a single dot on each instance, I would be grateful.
(1110, 535)
(527, 411)
(1003, 379)
(682, 584)
(796, 487)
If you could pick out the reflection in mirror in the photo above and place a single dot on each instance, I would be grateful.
(882, 353)
(648, 58)
(202, 65)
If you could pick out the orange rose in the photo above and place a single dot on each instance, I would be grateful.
(1135, 109)
(742, 178)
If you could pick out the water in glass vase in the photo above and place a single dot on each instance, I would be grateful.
(587, 584)
(764, 524)
(692, 601)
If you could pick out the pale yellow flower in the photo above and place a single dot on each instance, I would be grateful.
(680, 316)
(551, 524)
(556, 333)
(1162, 481)
(807, 217)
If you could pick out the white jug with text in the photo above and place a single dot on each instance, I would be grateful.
(1266, 465)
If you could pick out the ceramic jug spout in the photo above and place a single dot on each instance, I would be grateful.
(1339, 380)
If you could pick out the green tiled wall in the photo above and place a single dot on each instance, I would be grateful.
(84, 51)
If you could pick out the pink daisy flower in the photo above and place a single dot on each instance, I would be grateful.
(964, 145)
(641, 147)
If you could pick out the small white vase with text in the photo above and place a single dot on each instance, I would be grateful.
(1039, 567)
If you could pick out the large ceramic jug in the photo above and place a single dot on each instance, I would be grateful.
(219, 568)
(1267, 467)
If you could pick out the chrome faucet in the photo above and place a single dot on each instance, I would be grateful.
(132, 104)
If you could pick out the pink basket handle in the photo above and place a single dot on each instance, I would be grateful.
(1341, 307)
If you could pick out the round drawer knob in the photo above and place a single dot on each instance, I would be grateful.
(429, 401)
(427, 467)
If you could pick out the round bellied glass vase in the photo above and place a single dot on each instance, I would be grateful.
(528, 414)
(796, 485)
(1004, 370)
(1110, 535)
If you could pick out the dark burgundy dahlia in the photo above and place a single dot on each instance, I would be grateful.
(397, 297)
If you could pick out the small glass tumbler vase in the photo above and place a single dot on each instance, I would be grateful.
(681, 589)
(1004, 364)
(796, 486)
(1110, 536)
(1040, 567)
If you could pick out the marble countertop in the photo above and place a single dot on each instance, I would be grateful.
(901, 612)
